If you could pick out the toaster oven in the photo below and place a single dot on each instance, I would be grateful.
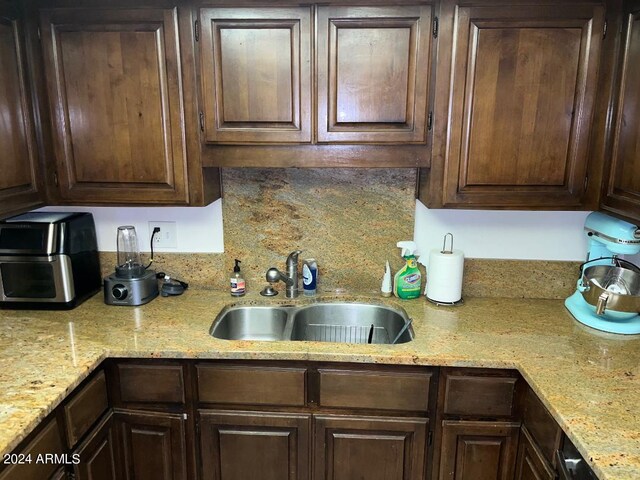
(48, 260)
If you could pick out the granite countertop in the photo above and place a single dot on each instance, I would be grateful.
(589, 381)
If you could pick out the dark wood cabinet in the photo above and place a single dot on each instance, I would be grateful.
(20, 182)
(153, 445)
(531, 464)
(375, 448)
(373, 66)
(97, 454)
(515, 96)
(256, 74)
(114, 80)
(238, 445)
(621, 185)
(478, 450)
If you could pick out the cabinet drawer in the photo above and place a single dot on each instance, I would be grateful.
(85, 407)
(47, 441)
(251, 385)
(151, 383)
(375, 390)
(479, 395)
(541, 426)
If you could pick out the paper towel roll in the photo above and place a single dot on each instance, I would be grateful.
(444, 276)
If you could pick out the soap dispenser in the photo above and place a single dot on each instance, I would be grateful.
(238, 284)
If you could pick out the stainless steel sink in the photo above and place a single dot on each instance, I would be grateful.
(321, 322)
(250, 323)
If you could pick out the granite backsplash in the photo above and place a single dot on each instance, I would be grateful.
(349, 220)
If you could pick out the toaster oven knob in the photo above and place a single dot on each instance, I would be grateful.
(119, 292)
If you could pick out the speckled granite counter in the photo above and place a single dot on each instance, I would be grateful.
(589, 381)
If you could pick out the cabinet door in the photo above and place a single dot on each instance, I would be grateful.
(531, 464)
(243, 445)
(153, 445)
(256, 74)
(373, 74)
(520, 103)
(622, 181)
(478, 450)
(97, 454)
(374, 448)
(19, 183)
(115, 89)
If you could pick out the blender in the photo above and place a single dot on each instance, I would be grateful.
(607, 296)
(132, 283)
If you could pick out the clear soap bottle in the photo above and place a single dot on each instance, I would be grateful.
(238, 284)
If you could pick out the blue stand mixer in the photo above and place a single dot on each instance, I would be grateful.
(608, 291)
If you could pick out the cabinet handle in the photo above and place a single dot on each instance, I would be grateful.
(201, 121)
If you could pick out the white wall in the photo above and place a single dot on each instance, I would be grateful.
(199, 229)
(504, 234)
(479, 233)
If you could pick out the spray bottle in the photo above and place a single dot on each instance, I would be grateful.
(408, 280)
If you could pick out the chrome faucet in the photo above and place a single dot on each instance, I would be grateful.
(291, 278)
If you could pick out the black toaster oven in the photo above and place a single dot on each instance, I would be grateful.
(48, 260)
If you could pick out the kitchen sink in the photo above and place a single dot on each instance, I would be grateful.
(250, 323)
(320, 322)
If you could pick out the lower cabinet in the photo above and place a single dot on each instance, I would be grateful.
(97, 453)
(237, 445)
(478, 450)
(372, 448)
(531, 464)
(152, 445)
(224, 420)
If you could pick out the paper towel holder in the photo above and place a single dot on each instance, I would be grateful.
(445, 252)
(444, 243)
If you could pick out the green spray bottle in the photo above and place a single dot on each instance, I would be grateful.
(407, 281)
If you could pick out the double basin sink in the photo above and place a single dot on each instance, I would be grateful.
(320, 322)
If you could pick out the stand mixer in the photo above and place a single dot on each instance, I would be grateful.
(607, 297)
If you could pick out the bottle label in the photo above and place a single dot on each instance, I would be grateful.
(237, 286)
(309, 277)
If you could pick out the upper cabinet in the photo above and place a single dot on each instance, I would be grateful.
(115, 84)
(256, 75)
(621, 186)
(515, 100)
(373, 74)
(323, 86)
(20, 184)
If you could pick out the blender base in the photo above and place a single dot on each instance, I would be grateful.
(613, 322)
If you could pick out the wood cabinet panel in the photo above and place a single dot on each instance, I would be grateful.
(478, 450)
(46, 442)
(85, 407)
(19, 183)
(375, 448)
(256, 74)
(98, 454)
(531, 464)
(374, 389)
(245, 385)
(114, 83)
(150, 384)
(541, 426)
(520, 86)
(479, 395)
(153, 445)
(621, 192)
(373, 74)
(278, 445)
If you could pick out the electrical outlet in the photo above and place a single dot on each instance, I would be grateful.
(167, 237)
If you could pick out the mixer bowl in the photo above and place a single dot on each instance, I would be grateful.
(608, 287)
